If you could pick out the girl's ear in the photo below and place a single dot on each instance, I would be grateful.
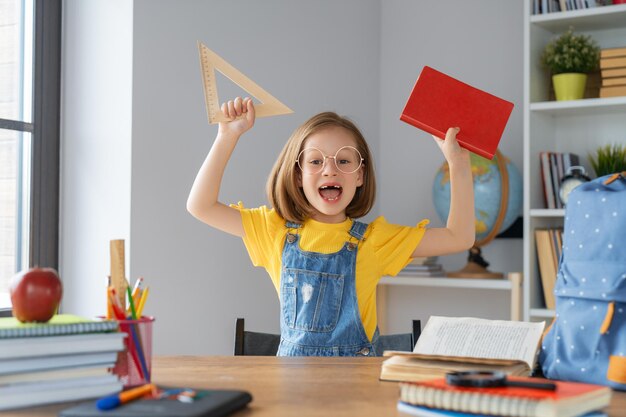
(360, 176)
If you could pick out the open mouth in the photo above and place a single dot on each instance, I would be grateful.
(330, 192)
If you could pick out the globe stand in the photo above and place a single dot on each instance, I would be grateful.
(476, 267)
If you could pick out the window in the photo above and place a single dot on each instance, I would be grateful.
(30, 52)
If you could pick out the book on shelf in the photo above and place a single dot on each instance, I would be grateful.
(428, 267)
(613, 91)
(553, 6)
(612, 52)
(56, 391)
(556, 179)
(60, 324)
(617, 62)
(424, 260)
(546, 180)
(614, 72)
(553, 167)
(43, 363)
(61, 345)
(438, 102)
(548, 254)
(609, 82)
(425, 274)
(465, 343)
(570, 399)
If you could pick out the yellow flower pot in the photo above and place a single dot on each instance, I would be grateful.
(569, 86)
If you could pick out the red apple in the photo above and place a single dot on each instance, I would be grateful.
(35, 294)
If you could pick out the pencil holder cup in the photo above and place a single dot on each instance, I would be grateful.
(134, 363)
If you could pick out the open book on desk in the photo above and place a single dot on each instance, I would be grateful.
(465, 343)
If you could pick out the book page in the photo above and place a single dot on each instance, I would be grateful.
(481, 338)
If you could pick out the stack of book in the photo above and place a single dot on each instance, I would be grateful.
(453, 344)
(549, 244)
(68, 358)
(613, 70)
(554, 167)
(423, 267)
(437, 398)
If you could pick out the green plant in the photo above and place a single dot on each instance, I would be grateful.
(609, 159)
(570, 52)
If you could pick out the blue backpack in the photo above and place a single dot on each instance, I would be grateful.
(586, 342)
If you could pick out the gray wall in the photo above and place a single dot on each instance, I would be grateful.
(359, 58)
(481, 43)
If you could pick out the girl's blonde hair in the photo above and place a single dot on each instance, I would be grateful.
(283, 190)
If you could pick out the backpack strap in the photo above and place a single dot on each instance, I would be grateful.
(615, 176)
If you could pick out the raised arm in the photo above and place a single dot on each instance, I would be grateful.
(203, 202)
(459, 233)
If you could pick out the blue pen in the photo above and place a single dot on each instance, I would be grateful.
(112, 401)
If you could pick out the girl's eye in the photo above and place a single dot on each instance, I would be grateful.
(316, 162)
(344, 161)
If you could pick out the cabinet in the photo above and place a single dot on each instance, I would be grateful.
(578, 126)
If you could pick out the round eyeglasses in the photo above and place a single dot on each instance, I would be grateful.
(347, 160)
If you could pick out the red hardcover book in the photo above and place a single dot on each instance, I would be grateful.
(439, 102)
(568, 400)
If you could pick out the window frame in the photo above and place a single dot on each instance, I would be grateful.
(45, 129)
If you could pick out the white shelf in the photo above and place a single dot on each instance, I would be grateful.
(597, 18)
(547, 213)
(469, 283)
(542, 313)
(588, 106)
(576, 126)
(512, 283)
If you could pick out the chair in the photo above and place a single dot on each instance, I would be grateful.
(253, 343)
(266, 344)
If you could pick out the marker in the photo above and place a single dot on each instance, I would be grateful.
(112, 401)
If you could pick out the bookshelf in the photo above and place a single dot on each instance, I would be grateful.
(578, 126)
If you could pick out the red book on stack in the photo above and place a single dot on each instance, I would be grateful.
(568, 400)
(439, 102)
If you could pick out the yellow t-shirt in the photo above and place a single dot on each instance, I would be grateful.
(386, 250)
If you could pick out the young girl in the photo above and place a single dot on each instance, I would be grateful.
(324, 264)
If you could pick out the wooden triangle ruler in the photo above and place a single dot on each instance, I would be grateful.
(209, 62)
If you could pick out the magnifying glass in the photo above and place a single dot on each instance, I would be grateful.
(485, 379)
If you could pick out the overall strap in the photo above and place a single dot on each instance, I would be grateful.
(358, 230)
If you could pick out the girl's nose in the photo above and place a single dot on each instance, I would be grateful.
(330, 168)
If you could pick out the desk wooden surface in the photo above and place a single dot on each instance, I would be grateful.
(289, 386)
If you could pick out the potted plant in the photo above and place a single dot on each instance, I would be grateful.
(609, 159)
(570, 57)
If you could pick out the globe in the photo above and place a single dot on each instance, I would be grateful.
(488, 192)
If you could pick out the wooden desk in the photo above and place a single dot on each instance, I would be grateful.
(289, 386)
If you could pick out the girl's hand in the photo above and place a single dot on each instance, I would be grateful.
(241, 115)
(451, 149)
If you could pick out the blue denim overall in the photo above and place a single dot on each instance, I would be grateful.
(319, 309)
